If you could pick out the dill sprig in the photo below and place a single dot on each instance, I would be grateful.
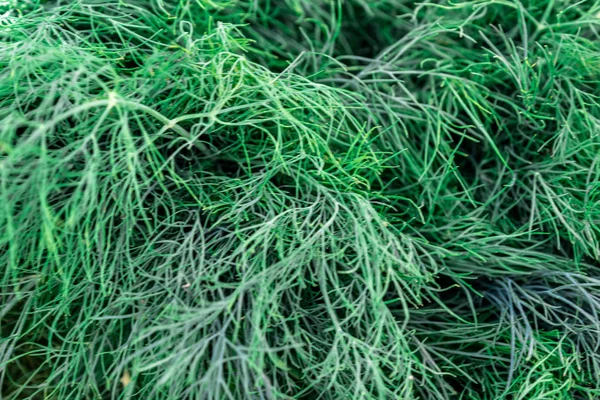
(299, 199)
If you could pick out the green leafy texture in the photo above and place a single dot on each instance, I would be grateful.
(299, 199)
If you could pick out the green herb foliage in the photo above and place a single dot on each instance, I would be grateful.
(299, 199)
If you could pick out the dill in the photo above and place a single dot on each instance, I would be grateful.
(299, 199)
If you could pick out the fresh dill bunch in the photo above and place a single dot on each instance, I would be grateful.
(290, 199)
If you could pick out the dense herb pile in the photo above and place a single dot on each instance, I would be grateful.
(307, 199)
